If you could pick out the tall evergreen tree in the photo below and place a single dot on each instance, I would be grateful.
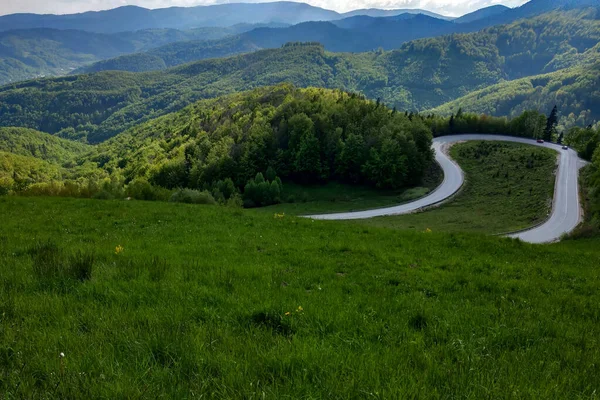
(551, 123)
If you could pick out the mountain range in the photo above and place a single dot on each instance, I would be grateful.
(420, 75)
(132, 18)
(353, 34)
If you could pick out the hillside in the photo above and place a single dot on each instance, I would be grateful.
(305, 135)
(218, 302)
(422, 74)
(26, 54)
(575, 91)
(27, 142)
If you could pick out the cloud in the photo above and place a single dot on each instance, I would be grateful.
(448, 7)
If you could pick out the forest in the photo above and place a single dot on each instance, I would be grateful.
(420, 75)
(244, 147)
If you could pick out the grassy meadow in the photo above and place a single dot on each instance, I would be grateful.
(508, 187)
(118, 299)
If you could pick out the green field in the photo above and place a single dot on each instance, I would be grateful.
(196, 303)
(508, 187)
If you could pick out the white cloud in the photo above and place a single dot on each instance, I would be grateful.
(447, 7)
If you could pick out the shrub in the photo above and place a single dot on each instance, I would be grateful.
(259, 192)
(191, 196)
(141, 189)
(103, 195)
(6, 185)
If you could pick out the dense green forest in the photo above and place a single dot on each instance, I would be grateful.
(27, 142)
(576, 92)
(26, 54)
(303, 135)
(421, 75)
(243, 143)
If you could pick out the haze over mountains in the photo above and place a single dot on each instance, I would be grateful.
(132, 18)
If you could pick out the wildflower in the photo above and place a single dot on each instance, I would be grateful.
(279, 216)
(119, 249)
(300, 309)
(62, 355)
(288, 313)
(428, 230)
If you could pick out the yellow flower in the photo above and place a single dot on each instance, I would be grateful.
(119, 249)
(300, 309)
(428, 230)
(279, 216)
(288, 313)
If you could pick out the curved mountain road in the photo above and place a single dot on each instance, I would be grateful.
(566, 210)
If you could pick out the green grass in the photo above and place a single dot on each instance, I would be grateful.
(195, 306)
(339, 197)
(509, 187)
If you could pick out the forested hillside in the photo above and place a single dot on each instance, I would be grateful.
(27, 142)
(221, 145)
(305, 135)
(26, 54)
(576, 92)
(421, 75)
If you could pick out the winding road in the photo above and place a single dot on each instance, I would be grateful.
(566, 210)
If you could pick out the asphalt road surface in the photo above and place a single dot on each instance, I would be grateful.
(566, 210)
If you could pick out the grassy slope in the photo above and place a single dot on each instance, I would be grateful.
(385, 314)
(485, 204)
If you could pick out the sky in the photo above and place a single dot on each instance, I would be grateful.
(447, 7)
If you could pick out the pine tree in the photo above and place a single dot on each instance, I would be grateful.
(551, 123)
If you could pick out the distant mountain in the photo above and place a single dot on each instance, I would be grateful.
(377, 13)
(482, 13)
(527, 10)
(31, 53)
(354, 34)
(131, 18)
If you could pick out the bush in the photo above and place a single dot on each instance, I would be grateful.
(141, 189)
(235, 201)
(6, 185)
(190, 196)
(103, 195)
(259, 192)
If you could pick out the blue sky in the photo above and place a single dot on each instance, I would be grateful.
(447, 7)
